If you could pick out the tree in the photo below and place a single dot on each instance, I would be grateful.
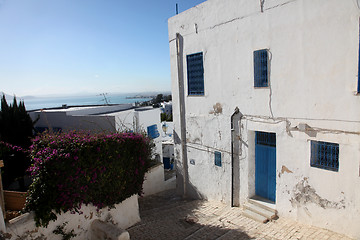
(16, 132)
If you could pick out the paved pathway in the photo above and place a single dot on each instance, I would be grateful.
(166, 216)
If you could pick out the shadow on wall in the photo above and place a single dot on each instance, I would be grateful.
(169, 216)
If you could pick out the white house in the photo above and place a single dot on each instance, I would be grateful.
(166, 107)
(266, 104)
(120, 117)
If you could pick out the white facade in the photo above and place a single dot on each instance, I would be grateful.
(313, 49)
(166, 107)
(121, 117)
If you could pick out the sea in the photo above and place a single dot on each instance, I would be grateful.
(33, 103)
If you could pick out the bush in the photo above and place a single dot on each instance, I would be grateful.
(16, 161)
(15, 129)
(71, 169)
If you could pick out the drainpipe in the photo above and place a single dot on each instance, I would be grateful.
(182, 112)
(236, 111)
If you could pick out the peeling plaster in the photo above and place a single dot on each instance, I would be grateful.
(217, 109)
(303, 194)
(284, 169)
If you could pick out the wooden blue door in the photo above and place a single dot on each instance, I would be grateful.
(265, 165)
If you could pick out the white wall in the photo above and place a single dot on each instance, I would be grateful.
(155, 181)
(66, 122)
(124, 215)
(148, 118)
(314, 49)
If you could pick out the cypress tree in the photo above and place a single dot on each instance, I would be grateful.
(16, 128)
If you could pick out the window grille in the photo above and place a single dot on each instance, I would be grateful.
(152, 131)
(218, 158)
(264, 138)
(325, 155)
(261, 68)
(195, 74)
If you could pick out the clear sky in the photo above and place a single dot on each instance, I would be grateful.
(67, 47)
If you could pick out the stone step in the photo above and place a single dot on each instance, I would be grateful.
(263, 204)
(269, 214)
(255, 216)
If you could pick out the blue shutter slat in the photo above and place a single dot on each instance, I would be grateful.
(153, 131)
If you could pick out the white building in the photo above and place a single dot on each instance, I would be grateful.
(166, 107)
(122, 117)
(266, 103)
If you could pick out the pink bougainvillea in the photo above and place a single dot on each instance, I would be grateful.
(76, 168)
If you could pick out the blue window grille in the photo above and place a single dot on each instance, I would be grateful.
(218, 158)
(261, 68)
(265, 138)
(195, 74)
(152, 131)
(325, 155)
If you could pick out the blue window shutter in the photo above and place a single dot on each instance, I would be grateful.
(261, 68)
(152, 131)
(217, 158)
(195, 74)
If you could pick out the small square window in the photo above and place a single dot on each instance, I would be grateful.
(261, 68)
(195, 74)
(325, 155)
(218, 159)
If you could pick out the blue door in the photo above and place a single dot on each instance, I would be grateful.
(265, 165)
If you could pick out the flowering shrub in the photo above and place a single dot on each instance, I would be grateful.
(72, 169)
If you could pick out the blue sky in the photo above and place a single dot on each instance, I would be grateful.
(64, 47)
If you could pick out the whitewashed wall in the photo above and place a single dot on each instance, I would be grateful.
(124, 215)
(68, 122)
(314, 47)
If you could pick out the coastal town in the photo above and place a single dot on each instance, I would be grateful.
(258, 138)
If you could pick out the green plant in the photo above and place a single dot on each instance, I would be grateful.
(166, 117)
(72, 169)
(15, 134)
(59, 230)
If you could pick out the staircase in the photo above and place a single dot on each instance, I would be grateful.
(259, 210)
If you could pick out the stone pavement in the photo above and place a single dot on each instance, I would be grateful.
(167, 216)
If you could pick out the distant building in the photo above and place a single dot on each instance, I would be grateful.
(166, 107)
(266, 102)
(122, 117)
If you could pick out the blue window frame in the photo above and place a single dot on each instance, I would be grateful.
(217, 158)
(325, 155)
(152, 131)
(261, 68)
(195, 74)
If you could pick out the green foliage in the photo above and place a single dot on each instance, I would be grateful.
(15, 124)
(59, 230)
(166, 117)
(71, 169)
(15, 131)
